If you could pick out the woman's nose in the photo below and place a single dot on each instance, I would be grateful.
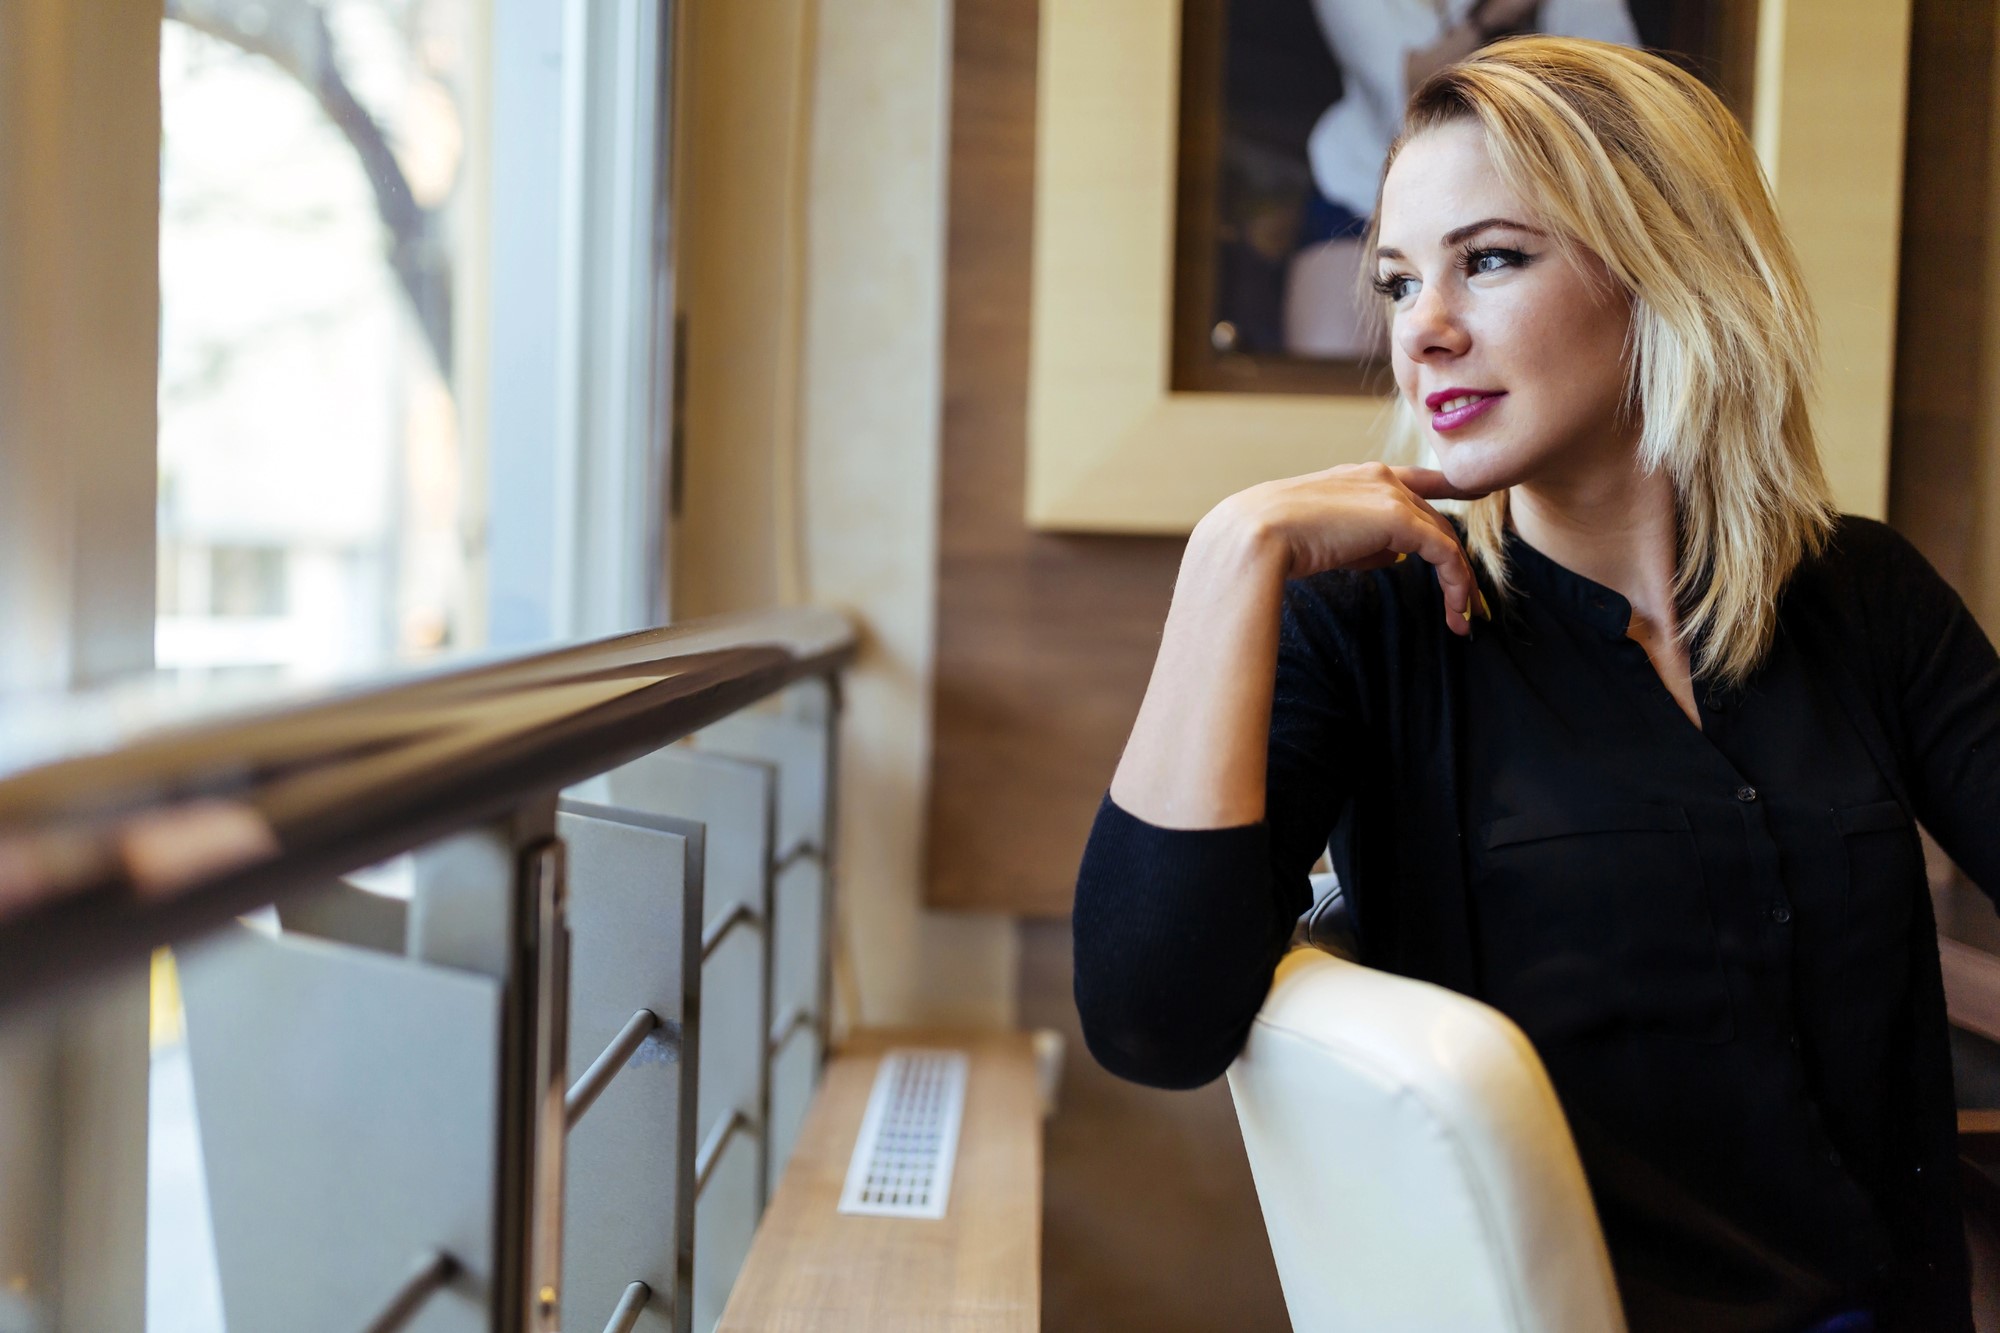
(1430, 327)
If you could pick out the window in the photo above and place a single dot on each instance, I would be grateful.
(314, 507)
(365, 204)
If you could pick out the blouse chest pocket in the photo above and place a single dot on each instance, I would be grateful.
(1595, 921)
(1885, 874)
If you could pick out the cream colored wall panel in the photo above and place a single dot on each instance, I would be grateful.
(1830, 116)
(1202, 446)
(813, 271)
(872, 409)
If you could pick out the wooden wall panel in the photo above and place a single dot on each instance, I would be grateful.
(1044, 642)
(1943, 391)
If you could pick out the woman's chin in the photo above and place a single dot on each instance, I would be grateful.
(1478, 466)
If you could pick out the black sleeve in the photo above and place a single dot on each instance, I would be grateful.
(1177, 931)
(1945, 680)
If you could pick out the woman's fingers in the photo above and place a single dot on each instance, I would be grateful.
(1462, 598)
(1404, 523)
(1437, 544)
(1420, 483)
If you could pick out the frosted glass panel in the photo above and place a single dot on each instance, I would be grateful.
(732, 1048)
(348, 1103)
(794, 1076)
(733, 798)
(635, 928)
(725, 1221)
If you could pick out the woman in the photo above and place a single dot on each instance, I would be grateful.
(1633, 754)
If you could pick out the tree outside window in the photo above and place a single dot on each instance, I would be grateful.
(314, 508)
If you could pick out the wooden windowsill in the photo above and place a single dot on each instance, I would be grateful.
(976, 1271)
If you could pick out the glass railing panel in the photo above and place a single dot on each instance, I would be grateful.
(635, 911)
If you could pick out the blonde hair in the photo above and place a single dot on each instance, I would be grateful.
(1626, 154)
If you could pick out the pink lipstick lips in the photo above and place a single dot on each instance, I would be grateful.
(1452, 408)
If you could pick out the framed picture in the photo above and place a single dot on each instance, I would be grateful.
(1287, 108)
(1138, 421)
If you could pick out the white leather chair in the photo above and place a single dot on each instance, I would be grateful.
(1414, 1167)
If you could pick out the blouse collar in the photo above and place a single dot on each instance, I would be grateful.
(1566, 590)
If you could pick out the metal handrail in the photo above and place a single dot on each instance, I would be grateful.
(106, 855)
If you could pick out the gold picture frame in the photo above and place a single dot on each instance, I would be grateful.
(1113, 448)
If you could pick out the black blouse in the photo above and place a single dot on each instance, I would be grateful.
(1718, 938)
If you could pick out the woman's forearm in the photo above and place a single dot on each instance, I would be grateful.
(1197, 751)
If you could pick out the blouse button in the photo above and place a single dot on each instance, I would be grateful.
(1746, 794)
(1781, 914)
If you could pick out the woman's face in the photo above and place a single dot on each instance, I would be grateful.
(1512, 353)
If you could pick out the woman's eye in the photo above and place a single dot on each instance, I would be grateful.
(1392, 286)
(1492, 261)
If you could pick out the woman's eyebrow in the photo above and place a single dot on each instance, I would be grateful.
(1472, 229)
(1466, 233)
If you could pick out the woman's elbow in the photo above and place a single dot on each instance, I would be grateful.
(1142, 1048)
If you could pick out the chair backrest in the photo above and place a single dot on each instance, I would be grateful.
(1413, 1164)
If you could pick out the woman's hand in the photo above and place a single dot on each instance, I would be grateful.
(1359, 516)
(1210, 695)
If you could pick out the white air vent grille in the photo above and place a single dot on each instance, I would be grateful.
(909, 1136)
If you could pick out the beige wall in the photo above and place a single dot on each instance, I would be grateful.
(79, 273)
(738, 113)
(79, 249)
(813, 399)
(1830, 108)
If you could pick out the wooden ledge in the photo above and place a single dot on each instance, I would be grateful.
(976, 1271)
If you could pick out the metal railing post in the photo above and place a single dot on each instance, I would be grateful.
(546, 970)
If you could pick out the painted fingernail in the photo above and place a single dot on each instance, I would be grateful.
(1401, 556)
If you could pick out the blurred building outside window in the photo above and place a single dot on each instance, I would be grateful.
(314, 508)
